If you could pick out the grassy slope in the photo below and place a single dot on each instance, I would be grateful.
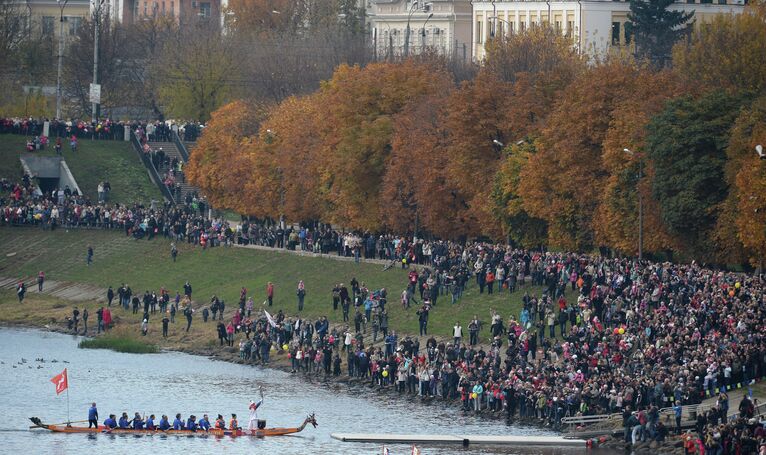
(93, 162)
(11, 147)
(223, 271)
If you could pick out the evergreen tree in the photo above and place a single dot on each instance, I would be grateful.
(656, 28)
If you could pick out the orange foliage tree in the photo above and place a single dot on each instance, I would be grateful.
(616, 220)
(219, 165)
(356, 129)
(564, 182)
(749, 185)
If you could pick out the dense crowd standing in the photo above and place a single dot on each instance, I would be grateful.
(104, 129)
(22, 203)
(604, 336)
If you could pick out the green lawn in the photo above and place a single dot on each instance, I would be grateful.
(11, 148)
(93, 162)
(223, 271)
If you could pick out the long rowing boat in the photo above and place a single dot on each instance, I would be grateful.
(259, 433)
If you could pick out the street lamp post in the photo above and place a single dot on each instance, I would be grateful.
(423, 34)
(413, 8)
(61, 56)
(640, 204)
(496, 18)
(97, 19)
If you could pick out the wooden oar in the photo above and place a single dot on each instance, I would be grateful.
(62, 423)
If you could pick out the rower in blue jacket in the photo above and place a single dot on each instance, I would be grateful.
(124, 422)
(150, 423)
(191, 423)
(164, 423)
(138, 422)
(110, 422)
(204, 423)
(178, 424)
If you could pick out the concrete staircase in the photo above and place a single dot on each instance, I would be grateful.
(172, 151)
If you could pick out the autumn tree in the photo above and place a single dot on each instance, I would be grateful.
(616, 220)
(565, 180)
(728, 53)
(288, 155)
(508, 100)
(417, 191)
(219, 164)
(357, 127)
(522, 228)
(747, 200)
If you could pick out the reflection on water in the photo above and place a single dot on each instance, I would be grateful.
(170, 382)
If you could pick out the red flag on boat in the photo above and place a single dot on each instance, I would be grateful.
(61, 382)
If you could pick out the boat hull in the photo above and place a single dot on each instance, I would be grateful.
(215, 432)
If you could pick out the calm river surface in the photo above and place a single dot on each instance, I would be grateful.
(171, 382)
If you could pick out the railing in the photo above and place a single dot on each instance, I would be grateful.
(180, 145)
(586, 420)
(153, 174)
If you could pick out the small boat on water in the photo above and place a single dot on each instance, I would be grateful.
(259, 433)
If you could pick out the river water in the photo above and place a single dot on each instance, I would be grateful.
(168, 383)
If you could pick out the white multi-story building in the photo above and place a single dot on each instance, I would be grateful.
(595, 26)
(407, 27)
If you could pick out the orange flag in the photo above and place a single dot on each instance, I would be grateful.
(61, 382)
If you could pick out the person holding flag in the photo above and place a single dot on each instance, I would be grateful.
(252, 423)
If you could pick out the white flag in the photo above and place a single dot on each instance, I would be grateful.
(271, 320)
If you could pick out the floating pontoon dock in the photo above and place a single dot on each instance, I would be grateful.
(465, 440)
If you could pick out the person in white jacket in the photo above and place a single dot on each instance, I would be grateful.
(457, 333)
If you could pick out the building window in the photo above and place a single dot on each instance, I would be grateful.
(500, 29)
(615, 33)
(172, 8)
(204, 9)
(557, 26)
(74, 24)
(479, 34)
(48, 25)
(522, 26)
(570, 28)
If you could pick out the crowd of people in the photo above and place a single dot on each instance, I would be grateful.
(105, 129)
(601, 336)
(595, 335)
(23, 204)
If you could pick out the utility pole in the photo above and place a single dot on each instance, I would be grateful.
(61, 56)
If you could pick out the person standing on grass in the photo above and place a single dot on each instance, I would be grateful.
(145, 327)
(85, 321)
(173, 251)
(301, 293)
(40, 281)
(89, 257)
(457, 333)
(100, 320)
(75, 318)
(188, 290)
(270, 292)
(21, 289)
(165, 322)
(188, 313)
(110, 296)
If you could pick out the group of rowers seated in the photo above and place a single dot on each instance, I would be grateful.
(191, 424)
